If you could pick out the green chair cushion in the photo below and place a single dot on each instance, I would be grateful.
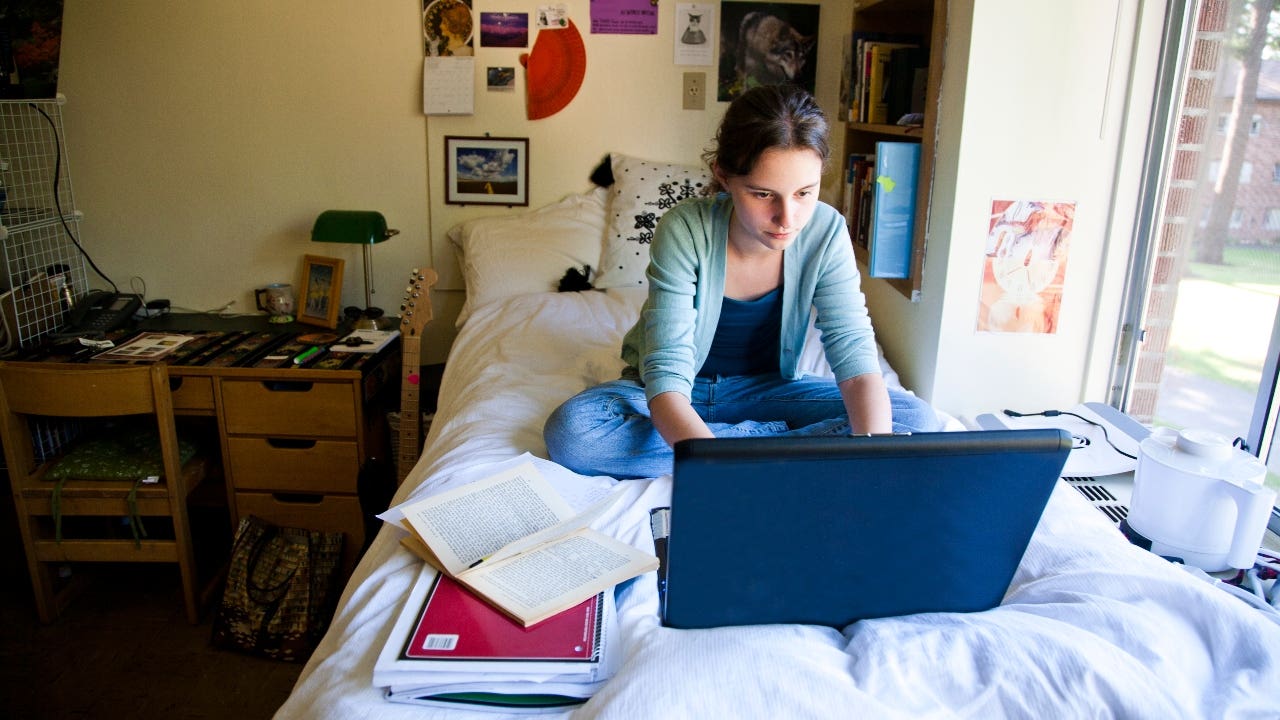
(128, 453)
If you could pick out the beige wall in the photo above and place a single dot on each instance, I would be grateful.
(205, 137)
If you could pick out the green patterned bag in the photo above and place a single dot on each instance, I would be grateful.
(280, 592)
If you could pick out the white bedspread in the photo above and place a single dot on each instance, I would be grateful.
(1091, 626)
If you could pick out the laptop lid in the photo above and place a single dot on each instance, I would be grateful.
(828, 531)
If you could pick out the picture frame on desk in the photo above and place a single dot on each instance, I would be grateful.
(486, 171)
(321, 298)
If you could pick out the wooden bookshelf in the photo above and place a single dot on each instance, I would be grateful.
(926, 20)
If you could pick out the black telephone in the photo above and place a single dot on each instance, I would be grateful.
(99, 312)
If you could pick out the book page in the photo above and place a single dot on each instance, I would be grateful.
(470, 523)
(559, 574)
(577, 522)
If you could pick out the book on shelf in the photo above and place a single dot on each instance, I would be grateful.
(859, 68)
(861, 167)
(879, 77)
(518, 545)
(904, 91)
(449, 648)
(893, 209)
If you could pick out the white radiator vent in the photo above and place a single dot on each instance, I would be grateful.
(1101, 497)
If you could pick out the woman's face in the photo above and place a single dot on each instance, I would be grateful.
(773, 203)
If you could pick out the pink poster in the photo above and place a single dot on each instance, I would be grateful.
(624, 17)
(1026, 261)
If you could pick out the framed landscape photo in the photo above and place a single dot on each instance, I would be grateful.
(486, 171)
(321, 298)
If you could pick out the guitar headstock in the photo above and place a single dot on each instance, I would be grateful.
(415, 309)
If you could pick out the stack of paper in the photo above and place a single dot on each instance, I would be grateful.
(449, 648)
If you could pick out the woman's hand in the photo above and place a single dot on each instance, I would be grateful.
(675, 418)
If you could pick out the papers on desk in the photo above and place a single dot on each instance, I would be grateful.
(146, 346)
(365, 341)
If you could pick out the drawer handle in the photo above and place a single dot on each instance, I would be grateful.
(287, 385)
(298, 498)
(174, 383)
(291, 443)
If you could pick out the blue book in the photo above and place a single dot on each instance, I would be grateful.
(893, 209)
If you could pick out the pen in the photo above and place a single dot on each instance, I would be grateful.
(306, 355)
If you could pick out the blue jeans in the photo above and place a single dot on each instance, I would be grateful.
(607, 430)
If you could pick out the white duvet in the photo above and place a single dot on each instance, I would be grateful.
(1091, 626)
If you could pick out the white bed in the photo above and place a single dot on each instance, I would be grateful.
(1091, 626)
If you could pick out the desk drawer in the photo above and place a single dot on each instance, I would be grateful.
(191, 393)
(289, 407)
(290, 465)
(313, 512)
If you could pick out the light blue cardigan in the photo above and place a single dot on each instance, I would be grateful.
(672, 338)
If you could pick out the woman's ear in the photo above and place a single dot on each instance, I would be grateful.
(719, 175)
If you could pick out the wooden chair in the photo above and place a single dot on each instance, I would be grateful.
(30, 390)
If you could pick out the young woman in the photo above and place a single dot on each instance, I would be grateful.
(732, 281)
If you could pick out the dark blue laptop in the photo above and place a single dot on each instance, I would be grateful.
(827, 531)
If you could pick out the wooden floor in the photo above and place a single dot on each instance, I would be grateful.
(123, 647)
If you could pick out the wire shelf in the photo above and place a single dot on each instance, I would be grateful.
(44, 271)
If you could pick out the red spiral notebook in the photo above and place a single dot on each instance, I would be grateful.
(456, 625)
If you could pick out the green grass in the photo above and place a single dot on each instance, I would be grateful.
(1243, 265)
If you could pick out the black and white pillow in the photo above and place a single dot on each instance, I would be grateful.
(642, 191)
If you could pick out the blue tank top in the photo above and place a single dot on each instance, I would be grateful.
(748, 337)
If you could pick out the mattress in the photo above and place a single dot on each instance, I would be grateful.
(1091, 626)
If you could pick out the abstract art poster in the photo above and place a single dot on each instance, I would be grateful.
(1027, 246)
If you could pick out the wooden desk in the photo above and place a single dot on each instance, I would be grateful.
(293, 439)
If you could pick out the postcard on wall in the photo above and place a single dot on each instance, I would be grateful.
(504, 29)
(695, 33)
(624, 17)
(1024, 266)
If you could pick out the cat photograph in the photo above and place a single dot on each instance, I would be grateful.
(766, 44)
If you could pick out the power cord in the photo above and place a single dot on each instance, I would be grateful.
(1056, 413)
(57, 203)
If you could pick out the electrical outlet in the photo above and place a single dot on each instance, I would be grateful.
(695, 91)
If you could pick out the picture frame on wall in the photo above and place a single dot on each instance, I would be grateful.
(321, 298)
(486, 171)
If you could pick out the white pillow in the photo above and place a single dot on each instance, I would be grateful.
(642, 192)
(506, 255)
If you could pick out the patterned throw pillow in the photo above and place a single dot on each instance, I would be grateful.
(642, 191)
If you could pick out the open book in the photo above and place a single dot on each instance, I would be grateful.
(518, 545)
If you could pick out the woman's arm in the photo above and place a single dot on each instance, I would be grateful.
(675, 419)
(866, 399)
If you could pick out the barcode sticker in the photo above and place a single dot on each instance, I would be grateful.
(440, 642)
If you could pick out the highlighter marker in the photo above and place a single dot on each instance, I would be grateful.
(306, 355)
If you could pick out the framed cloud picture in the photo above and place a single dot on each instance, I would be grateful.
(486, 171)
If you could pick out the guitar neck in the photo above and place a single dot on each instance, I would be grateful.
(415, 313)
(410, 415)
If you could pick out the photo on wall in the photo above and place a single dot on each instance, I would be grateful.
(1025, 266)
(486, 171)
(765, 43)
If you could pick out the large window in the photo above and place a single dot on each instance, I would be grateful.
(1203, 337)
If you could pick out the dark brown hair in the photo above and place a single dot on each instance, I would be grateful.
(764, 117)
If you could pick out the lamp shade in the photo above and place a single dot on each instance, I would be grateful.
(353, 227)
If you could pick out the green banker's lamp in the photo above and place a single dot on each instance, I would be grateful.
(356, 227)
